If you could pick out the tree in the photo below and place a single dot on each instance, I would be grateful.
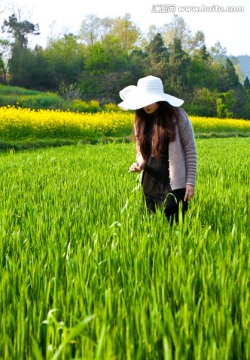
(37, 74)
(200, 75)
(244, 111)
(247, 83)
(230, 89)
(221, 109)
(2, 68)
(237, 68)
(97, 59)
(106, 64)
(179, 62)
(118, 57)
(127, 33)
(4, 56)
(203, 54)
(203, 103)
(177, 29)
(153, 30)
(94, 29)
(227, 104)
(218, 52)
(227, 77)
(64, 59)
(20, 30)
(196, 42)
(136, 65)
(157, 57)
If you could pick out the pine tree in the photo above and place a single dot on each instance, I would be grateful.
(157, 57)
(179, 62)
(247, 83)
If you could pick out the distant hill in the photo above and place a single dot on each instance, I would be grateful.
(244, 63)
(242, 66)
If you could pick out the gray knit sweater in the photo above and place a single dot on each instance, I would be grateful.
(182, 154)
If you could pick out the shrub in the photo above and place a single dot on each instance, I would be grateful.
(84, 106)
(111, 107)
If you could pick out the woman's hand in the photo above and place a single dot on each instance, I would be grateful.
(136, 166)
(189, 192)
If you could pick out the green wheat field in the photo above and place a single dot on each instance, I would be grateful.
(86, 273)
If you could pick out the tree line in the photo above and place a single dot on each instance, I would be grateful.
(109, 54)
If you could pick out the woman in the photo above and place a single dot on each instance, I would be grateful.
(165, 146)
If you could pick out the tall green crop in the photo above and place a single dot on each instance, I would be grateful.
(87, 273)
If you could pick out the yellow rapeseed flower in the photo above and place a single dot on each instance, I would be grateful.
(19, 123)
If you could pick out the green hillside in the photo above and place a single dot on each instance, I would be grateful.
(244, 62)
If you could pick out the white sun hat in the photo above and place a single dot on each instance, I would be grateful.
(149, 90)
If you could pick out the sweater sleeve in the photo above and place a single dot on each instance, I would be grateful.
(188, 142)
(139, 157)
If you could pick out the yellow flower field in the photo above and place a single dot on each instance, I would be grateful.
(19, 123)
(208, 125)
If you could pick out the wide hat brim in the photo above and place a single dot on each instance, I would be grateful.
(137, 100)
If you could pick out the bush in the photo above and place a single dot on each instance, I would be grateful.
(16, 90)
(42, 101)
(111, 107)
(19, 97)
(84, 106)
(203, 102)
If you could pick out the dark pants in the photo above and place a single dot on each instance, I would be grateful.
(170, 202)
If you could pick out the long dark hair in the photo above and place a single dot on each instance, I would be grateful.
(153, 132)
